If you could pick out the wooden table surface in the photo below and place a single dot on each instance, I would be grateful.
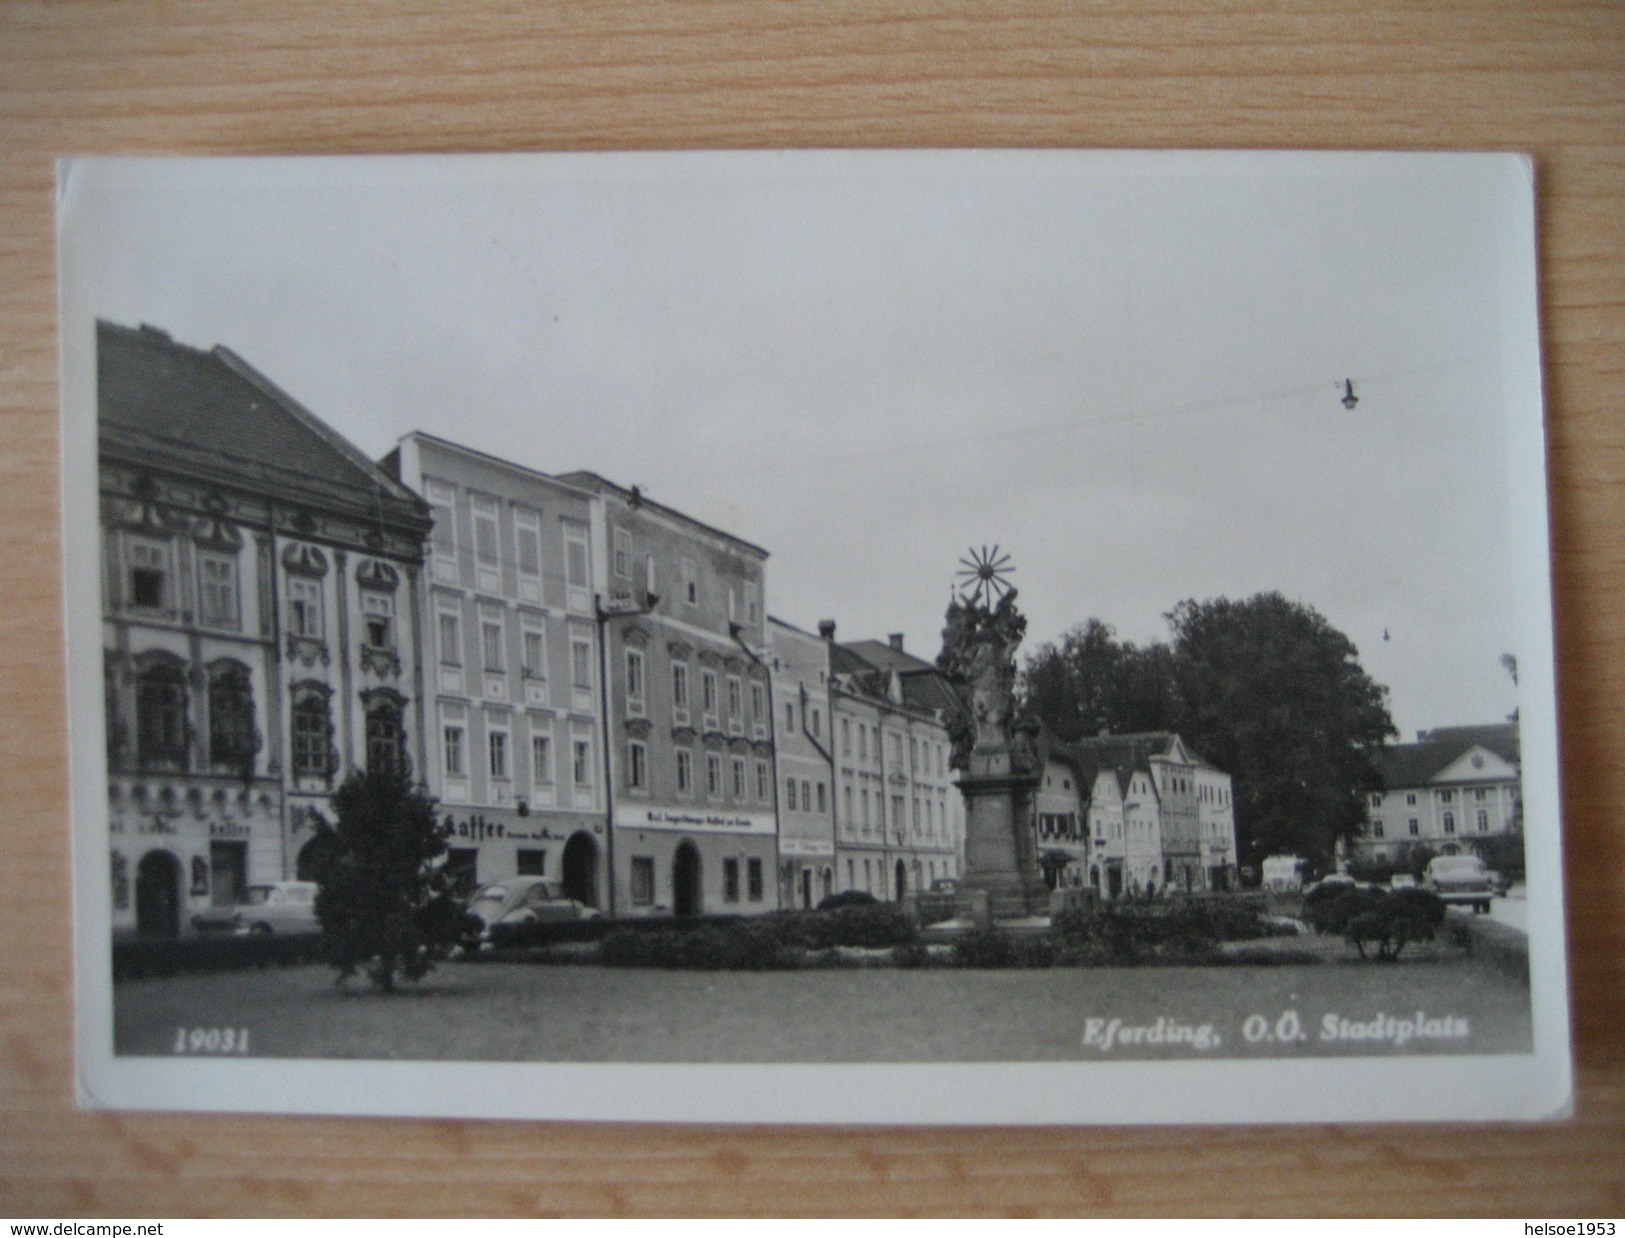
(225, 77)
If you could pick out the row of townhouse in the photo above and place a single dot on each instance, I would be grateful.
(1133, 814)
(584, 679)
(869, 800)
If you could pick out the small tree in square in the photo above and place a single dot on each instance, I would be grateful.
(383, 899)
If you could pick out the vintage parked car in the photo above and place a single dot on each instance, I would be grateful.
(1402, 881)
(1460, 879)
(523, 900)
(273, 907)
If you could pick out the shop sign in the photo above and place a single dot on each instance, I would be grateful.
(695, 820)
(229, 829)
(477, 827)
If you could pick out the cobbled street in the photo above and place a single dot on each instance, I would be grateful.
(521, 1012)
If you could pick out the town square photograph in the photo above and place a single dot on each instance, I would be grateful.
(927, 609)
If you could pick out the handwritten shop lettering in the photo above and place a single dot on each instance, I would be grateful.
(479, 828)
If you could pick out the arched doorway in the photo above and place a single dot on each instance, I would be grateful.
(685, 880)
(581, 869)
(158, 895)
(902, 880)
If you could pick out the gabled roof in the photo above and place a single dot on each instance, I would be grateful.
(1501, 738)
(1416, 765)
(883, 656)
(211, 414)
(871, 664)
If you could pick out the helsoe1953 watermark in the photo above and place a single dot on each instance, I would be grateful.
(1288, 1027)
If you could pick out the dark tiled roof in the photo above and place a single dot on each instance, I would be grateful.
(212, 415)
(1416, 765)
(1500, 738)
(881, 656)
(928, 690)
(586, 479)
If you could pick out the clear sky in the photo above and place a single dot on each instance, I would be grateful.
(1125, 370)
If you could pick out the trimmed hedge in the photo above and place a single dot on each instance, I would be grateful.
(779, 940)
(165, 956)
(1394, 921)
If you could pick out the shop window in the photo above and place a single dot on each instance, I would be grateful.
(531, 863)
(643, 880)
(753, 875)
(121, 882)
(730, 880)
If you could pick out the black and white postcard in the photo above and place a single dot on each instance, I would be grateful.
(930, 637)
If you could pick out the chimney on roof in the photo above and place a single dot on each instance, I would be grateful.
(895, 640)
(826, 628)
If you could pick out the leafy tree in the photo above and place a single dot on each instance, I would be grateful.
(383, 900)
(1274, 695)
(1264, 688)
(1092, 682)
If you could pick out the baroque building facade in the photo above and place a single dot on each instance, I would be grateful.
(687, 710)
(260, 623)
(511, 656)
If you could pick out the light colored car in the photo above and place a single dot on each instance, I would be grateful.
(1461, 879)
(523, 900)
(272, 907)
(1402, 881)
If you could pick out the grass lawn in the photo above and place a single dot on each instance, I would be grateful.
(522, 1012)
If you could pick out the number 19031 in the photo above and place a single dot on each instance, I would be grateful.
(211, 1040)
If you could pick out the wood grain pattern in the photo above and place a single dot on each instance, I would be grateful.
(217, 77)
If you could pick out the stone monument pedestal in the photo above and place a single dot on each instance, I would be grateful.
(1001, 880)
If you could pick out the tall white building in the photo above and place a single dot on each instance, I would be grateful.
(899, 817)
(511, 662)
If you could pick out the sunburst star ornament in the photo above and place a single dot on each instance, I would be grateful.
(984, 576)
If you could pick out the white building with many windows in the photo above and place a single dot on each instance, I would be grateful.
(899, 817)
(512, 665)
(1452, 788)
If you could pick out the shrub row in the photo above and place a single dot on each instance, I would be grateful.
(142, 956)
(780, 940)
